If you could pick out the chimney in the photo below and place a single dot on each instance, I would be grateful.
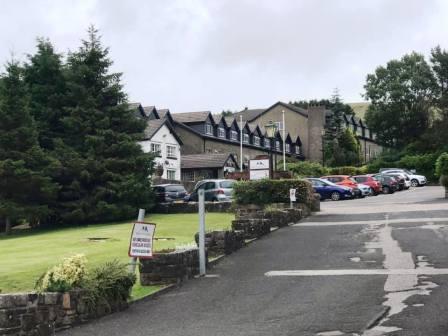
(316, 122)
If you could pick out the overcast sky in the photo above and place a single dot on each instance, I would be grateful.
(193, 55)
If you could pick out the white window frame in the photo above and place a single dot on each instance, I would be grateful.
(297, 149)
(221, 132)
(233, 135)
(156, 148)
(245, 138)
(208, 129)
(256, 140)
(171, 171)
(277, 145)
(287, 147)
(171, 151)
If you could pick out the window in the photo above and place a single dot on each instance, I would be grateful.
(279, 125)
(171, 174)
(208, 129)
(297, 149)
(221, 132)
(256, 141)
(287, 147)
(234, 135)
(188, 175)
(171, 151)
(156, 148)
(277, 145)
(267, 143)
(245, 138)
(226, 184)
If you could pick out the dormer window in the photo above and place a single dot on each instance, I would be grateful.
(287, 147)
(245, 138)
(234, 135)
(277, 145)
(267, 143)
(221, 132)
(208, 129)
(256, 141)
(297, 149)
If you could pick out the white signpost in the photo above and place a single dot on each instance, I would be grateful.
(292, 196)
(142, 240)
(258, 169)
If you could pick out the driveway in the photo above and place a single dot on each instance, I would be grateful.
(379, 262)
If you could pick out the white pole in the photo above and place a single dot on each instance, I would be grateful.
(241, 143)
(140, 218)
(201, 232)
(284, 149)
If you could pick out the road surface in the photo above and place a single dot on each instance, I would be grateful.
(374, 266)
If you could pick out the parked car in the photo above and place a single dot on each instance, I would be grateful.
(214, 190)
(416, 180)
(330, 190)
(404, 182)
(371, 182)
(168, 193)
(346, 181)
(389, 184)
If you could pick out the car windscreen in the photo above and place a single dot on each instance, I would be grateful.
(226, 184)
(178, 188)
(360, 179)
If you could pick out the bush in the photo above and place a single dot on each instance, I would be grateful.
(348, 170)
(68, 275)
(307, 169)
(422, 163)
(441, 167)
(110, 283)
(267, 191)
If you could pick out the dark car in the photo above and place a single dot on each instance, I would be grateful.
(388, 183)
(330, 190)
(168, 193)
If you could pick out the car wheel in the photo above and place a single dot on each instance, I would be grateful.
(335, 196)
(386, 190)
(414, 183)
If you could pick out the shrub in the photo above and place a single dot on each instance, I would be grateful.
(68, 275)
(441, 167)
(109, 283)
(307, 169)
(272, 191)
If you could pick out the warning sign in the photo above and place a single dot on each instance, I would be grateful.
(142, 240)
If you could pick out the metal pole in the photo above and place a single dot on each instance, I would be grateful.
(201, 232)
(241, 143)
(140, 218)
(284, 140)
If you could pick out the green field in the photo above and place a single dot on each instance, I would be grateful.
(25, 255)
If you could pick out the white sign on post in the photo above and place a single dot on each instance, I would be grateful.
(259, 164)
(142, 240)
(258, 174)
(258, 169)
(292, 195)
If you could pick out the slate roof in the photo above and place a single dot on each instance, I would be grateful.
(209, 160)
(162, 113)
(251, 114)
(152, 126)
(191, 117)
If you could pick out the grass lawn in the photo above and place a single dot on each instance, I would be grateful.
(25, 255)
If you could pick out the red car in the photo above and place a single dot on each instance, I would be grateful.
(371, 182)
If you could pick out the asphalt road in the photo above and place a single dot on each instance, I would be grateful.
(402, 237)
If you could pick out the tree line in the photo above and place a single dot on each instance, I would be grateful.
(68, 140)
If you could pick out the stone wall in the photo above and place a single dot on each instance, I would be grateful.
(222, 242)
(172, 267)
(42, 314)
(192, 207)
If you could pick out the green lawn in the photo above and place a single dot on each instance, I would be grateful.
(26, 255)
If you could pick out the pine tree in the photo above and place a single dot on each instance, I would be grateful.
(24, 188)
(47, 89)
(107, 175)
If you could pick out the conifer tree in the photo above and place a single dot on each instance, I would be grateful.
(108, 172)
(24, 188)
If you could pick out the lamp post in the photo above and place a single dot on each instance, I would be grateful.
(271, 129)
(322, 132)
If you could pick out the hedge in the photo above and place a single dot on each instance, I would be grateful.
(307, 169)
(267, 191)
(441, 169)
(348, 170)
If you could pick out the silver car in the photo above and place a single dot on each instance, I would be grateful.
(214, 190)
